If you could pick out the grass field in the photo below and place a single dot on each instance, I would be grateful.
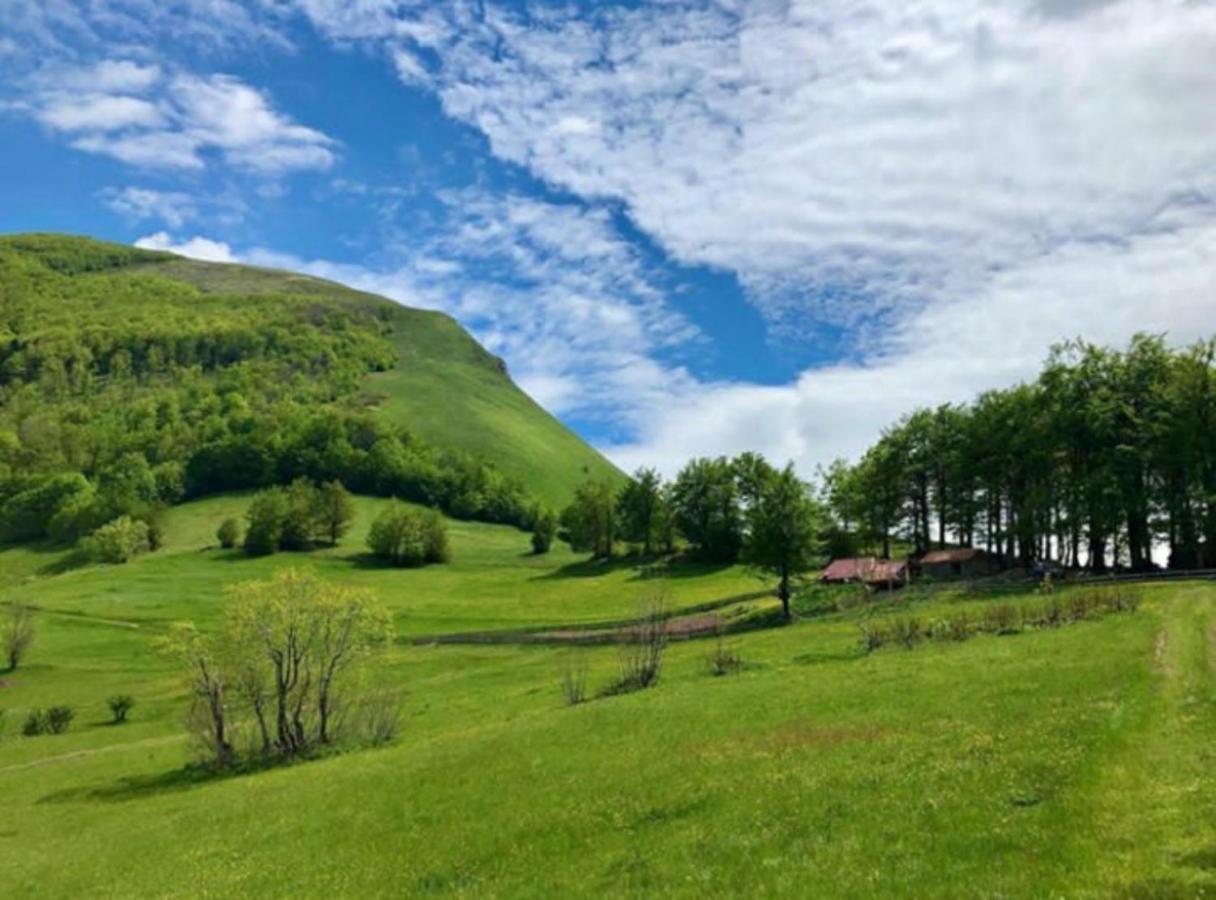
(1074, 761)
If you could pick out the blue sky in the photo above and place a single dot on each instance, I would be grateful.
(689, 227)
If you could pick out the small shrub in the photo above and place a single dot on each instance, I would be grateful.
(906, 630)
(1003, 618)
(641, 658)
(118, 541)
(59, 718)
(1115, 599)
(938, 630)
(377, 717)
(1080, 605)
(35, 723)
(229, 533)
(1052, 614)
(1031, 615)
(574, 681)
(1129, 601)
(873, 636)
(960, 626)
(543, 532)
(120, 705)
(724, 660)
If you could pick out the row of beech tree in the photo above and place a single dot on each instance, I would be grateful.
(728, 510)
(1105, 457)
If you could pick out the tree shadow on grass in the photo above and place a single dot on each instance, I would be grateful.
(135, 787)
(74, 559)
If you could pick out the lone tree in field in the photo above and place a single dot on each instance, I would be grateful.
(304, 633)
(18, 634)
(282, 662)
(783, 525)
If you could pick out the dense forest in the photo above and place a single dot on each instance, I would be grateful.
(122, 391)
(1106, 456)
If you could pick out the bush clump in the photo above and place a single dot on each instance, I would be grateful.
(296, 518)
(724, 660)
(55, 720)
(118, 541)
(543, 532)
(906, 631)
(873, 636)
(120, 705)
(404, 536)
(1003, 618)
(229, 533)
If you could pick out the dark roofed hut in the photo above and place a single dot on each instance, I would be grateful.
(865, 570)
(962, 562)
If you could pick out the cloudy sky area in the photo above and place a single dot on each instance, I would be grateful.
(689, 227)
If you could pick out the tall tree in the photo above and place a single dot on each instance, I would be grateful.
(639, 509)
(590, 520)
(783, 527)
(706, 505)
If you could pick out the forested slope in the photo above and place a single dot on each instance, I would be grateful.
(131, 378)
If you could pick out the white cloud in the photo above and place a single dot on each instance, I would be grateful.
(195, 247)
(958, 183)
(99, 113)
(144, 117)
(174, 208)
(1159, 282)
(66, 27)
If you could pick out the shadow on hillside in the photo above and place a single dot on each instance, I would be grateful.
(370, 561)
(74, 559)
(135, 787)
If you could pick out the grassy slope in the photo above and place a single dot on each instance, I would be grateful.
(446, 387)
(1069, 762)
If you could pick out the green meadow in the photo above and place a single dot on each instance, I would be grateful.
(1056, 762)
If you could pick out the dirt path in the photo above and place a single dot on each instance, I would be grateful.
(705, 620)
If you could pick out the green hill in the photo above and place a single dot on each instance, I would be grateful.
(88, 325)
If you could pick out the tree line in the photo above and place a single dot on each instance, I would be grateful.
(1105, 456)
(726, 510)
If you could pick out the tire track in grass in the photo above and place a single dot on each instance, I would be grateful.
(1155, 825)
(164, 739)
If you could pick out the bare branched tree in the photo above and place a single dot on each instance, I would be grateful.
(642, 653)
(18, 634)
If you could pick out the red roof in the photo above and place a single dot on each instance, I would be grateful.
(865, 568)
(961, 554)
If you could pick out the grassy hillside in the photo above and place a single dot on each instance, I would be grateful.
(1068, 761)
(445, 386)
(74, 306)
